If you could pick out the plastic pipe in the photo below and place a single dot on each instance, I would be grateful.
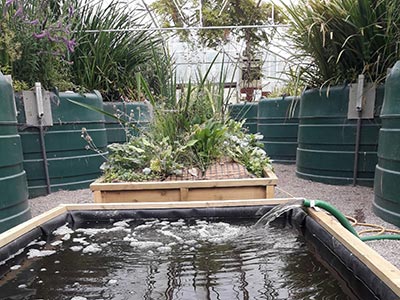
(343, 220)
(333, 210)
(380, 237)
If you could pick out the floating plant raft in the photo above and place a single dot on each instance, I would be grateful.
(222, 181)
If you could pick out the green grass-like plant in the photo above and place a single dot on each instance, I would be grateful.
(108, 54)
(189, 131)
(336, 40)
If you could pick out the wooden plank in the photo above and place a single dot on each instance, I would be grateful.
(178, 204)
(226, 193)
(269, 179)
(17, 231)
(139, 196)
(270, 191)
(268, 173)
(184, 194)
(387, 272)
(178, 184)
(97, 196)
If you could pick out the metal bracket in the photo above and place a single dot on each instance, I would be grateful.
(361, 100)
(37, 107)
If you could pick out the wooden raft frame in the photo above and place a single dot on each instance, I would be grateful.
(186, 190)
(386, 271)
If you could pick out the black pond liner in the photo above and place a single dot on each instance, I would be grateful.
(343, 265)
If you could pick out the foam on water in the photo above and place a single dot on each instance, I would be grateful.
(39, 253)
(122, 223)
(15, 267)
(56, 243)
(94, 231)
(93, 248)
(63, 230)
(76, 248)
(146, 244)
(66, 237)
(81, 241)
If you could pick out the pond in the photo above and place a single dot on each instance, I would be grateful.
(177, 258)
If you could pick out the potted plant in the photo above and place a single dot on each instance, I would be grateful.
(335, 42)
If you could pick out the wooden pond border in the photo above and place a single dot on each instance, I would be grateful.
(186, 190)
(382, 268)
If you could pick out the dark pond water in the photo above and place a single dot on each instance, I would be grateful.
(169, 260)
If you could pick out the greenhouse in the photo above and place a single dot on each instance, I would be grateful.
(157, 149)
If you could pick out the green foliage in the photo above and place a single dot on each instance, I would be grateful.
(207, 140)
(142, 159)
(294, 85)
(108, 60)
(246, 149)
(191, 131)
(35, 39)
(337, 40)
(219, 13)
(151, 158)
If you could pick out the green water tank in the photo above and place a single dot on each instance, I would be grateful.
(70, 164)
(248, 111)
(278, 122)
(387, 174)
(14, 208)
(138, 114)
(327, 138)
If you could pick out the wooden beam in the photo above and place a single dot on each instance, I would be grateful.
(387, 272)
(17, 231)
(96, 186)
(269, 179)
(178, 204)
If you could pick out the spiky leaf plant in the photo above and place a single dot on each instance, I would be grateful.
(108, 54)
(335, 40)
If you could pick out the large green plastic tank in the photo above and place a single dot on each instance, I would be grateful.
(327, 138)
(387, 175)
(248, 111)
(70, 165)
(137, 113)
(14, 208)
(278, 123)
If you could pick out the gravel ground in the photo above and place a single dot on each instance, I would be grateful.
(351, 201)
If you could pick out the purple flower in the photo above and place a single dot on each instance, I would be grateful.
(19, 12)
(71, 11)
(53, 39)
(40, 35)
(71, 45)
(9, 2)
(33, 22)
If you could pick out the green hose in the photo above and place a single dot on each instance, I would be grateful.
(380, 237)
(334, 211)
(343, 220)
